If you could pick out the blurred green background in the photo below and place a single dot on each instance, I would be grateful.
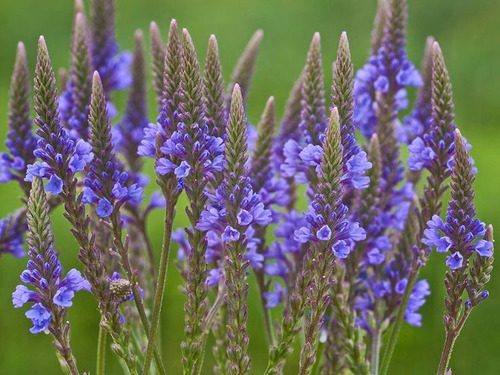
(468, 33)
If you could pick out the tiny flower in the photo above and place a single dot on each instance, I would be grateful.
(455, 261)
(230, 234)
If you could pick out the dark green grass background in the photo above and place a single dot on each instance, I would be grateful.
(469, 36)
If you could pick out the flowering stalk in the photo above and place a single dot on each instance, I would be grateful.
(157, 51)
(61, 158)
(245, 67)
(20, 141)
(74, 101)
(331, 236)
(471, 248)
(53, 294)
(202, 156)
(107, 187)
(215, 105)
(151, 146)
(213, 84)
(113, 66)
(261, 173)
(432, 152)
(234, 237)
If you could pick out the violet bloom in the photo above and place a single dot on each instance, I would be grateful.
(460, 235)
(106, 185)
(60, 156)
(49, 290)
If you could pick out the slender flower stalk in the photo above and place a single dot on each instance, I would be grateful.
(61, 158)
(74, 101)
(331, 236)
(432, 152)
(245, 67)
(214, 90)
(53, 293)
(471, 248)
(20, 141)
(261, 173)
(154, 138)
(157, 51)
(378, 26)
(202, 157)
(235, 241)
(107, 187)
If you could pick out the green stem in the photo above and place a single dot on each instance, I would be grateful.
(317, 365)
(446, 354)
(117, 233)
(161, 284)
(101, 351)
(451, 338)
(375, 349)
(266, 314)
(396, 329)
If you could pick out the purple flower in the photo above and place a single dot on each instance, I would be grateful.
(455, 261)
(104, 208)
(40, 317)
(230, 234)
(324, 233)
(214, 277)
(275, 297)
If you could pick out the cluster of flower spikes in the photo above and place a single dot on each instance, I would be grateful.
(171, 134)
(461, 234)
(302, 158)
(105, 185)
(380, 93)
(388, 69)
(20, 142)
(302, 162)
(61, 156)
(50, 290)
(94, 49)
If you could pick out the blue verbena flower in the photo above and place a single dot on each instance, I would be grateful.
(49, 290)
(12, 230)
(20, 141)
(61, 156)
(461, 234)
(106, 184)
(375, 78)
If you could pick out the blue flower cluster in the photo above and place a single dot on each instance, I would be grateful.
(57, 166)
(13, 164)
(96, 183)
(460, 233)
(12, 229)
(175, 160)
(251, 212)
(318, 229)
(299, 161)
(380, 76)
(44, 275)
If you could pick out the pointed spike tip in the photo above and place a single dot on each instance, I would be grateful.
(153, 27)
(436, 48)
(21, 49)
(96, 79)
(138, 36)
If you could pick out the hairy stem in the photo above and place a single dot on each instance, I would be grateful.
(396, 329)
(101, 352)
(161, 283)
